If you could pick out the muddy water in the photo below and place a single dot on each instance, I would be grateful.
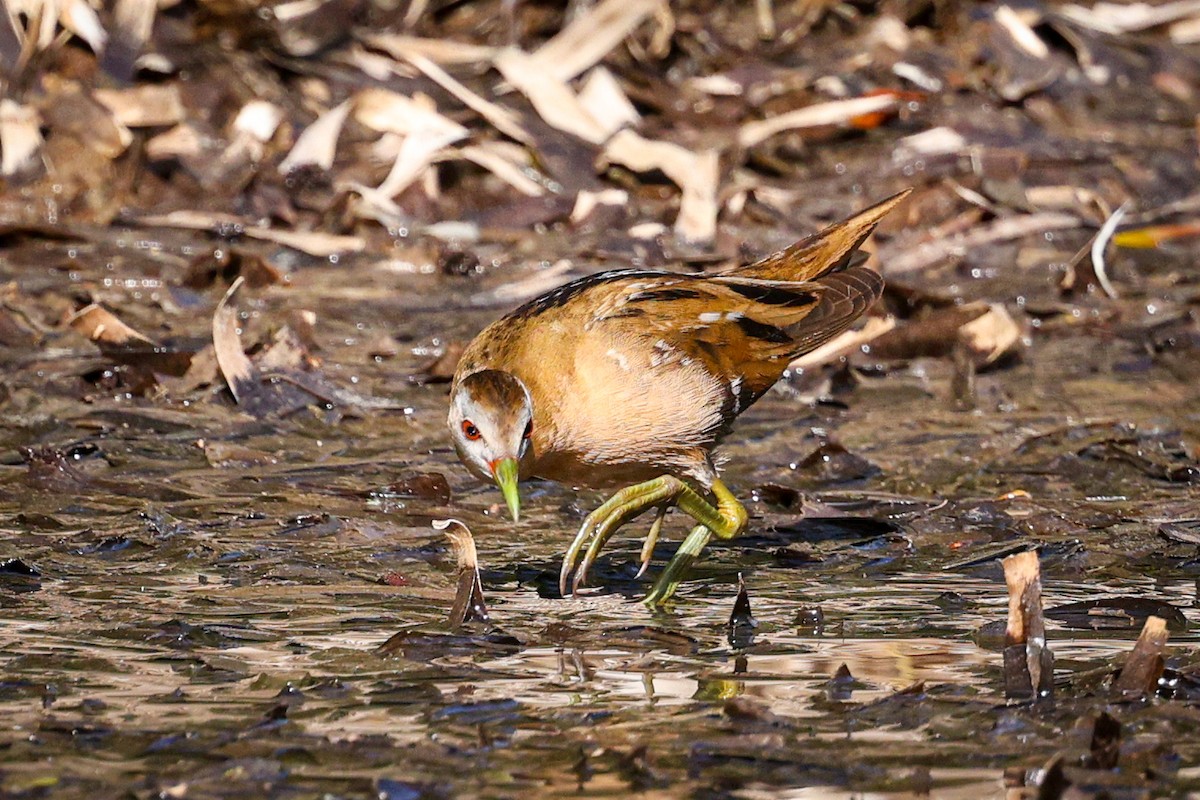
(197, 599)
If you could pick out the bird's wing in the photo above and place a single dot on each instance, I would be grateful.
(742, 330)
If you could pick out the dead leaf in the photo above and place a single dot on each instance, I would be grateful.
(1144, 665)
(1028, 662)
(245, 381)
(469, 605)
(133, 21)
(602, 96)
(991, 335)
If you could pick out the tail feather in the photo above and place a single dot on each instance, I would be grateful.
(828, 251)
(845, 296)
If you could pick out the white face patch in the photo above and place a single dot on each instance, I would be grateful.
(709, 317)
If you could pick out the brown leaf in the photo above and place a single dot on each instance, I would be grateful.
(469, 604)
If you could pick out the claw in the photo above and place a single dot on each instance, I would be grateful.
(603, 532)
(651, 541)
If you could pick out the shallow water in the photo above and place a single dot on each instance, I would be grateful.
(207, 622)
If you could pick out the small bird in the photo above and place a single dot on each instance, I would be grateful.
(632, 377)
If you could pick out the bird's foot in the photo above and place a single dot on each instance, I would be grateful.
(725, 520)
(601, 524)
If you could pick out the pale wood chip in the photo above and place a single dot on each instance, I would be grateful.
(550, 95)
(440, 51)
(607, 102)
(103, 327)
(146, 106)
(317, 144)
(835, 112)
(592, 36)
(20, 137)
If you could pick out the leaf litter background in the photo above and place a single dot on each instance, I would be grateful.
(243, 242)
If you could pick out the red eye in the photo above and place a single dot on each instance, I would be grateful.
(470, 431)
(529, 430)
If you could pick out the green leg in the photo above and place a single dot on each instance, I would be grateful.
(726, 520)
(671, 577)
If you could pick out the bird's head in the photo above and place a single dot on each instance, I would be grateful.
(491, 422)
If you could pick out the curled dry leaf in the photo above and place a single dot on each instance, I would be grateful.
(317, 144)
(741, 625)
(78, 17)
(991, 335)
(133, 21)
(425, 132)
(246, 382)
(469, 605)
(607, 102)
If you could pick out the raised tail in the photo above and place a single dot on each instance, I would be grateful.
(823, 252)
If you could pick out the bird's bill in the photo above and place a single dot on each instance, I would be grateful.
(506, 471)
